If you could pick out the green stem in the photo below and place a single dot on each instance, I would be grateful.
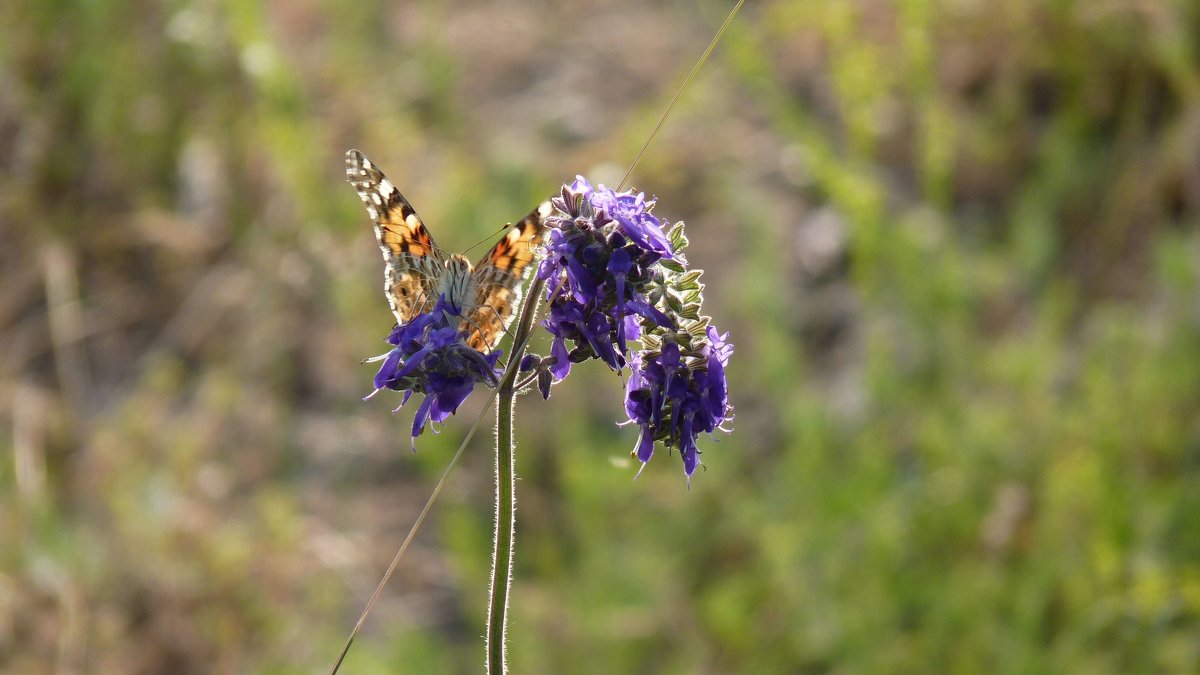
(502, 557)
(506, 515)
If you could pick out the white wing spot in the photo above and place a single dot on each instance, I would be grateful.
(386, 187)
(413, 221)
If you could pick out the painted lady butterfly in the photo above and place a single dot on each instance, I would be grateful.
(417, 272)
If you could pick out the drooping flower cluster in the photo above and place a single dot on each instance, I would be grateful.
(430, 356)
(612, 275)
(678, 392)
(600, 262)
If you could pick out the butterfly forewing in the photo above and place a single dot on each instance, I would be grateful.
(416, 271)
(412, 261)
(498, 278)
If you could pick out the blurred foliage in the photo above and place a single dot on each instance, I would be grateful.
(956, 244)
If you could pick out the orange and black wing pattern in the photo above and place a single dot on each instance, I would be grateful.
(498, 278)
(413, 261)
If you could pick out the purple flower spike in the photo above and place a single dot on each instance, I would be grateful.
(676, 398)
(608, 283)
(602, 256)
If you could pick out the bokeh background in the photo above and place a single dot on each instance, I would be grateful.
(955, 242)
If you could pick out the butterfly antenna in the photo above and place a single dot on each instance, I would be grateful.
(437, 489)
(678, 92)
(487, 238)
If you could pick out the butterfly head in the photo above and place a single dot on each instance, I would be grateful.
(458, 265)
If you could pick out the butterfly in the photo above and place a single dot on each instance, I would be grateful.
(417, 272)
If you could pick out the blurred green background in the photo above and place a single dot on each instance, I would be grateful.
(955, 242)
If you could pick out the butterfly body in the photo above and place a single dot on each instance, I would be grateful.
(417, 272)
(457, 282)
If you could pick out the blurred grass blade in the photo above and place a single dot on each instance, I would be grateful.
(412, 533)
(679, 92)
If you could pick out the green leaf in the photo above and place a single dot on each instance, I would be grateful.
(673, 265)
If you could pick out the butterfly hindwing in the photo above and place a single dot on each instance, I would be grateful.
(413, 261)
(498, 278)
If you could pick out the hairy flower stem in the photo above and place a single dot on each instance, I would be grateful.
(506, 519)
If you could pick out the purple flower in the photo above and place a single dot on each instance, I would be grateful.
(601, 258)
(675, 396)
(632, 212)
(431, 357)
